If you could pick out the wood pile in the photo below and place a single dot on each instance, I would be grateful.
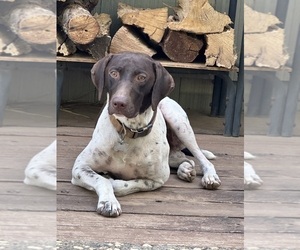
(27, 25)
(264, 40)
(196, 29)
(78, 29)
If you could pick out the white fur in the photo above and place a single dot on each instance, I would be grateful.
(41, 170)
(251, 179)
(140, 164)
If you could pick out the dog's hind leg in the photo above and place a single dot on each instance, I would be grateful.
(177, 121)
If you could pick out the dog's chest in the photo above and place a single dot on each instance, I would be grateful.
(128, 158)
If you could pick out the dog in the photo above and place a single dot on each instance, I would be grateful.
(251, 179)
(41, 169)
(139, 134)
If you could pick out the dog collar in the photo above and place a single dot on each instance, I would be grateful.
(125, 131)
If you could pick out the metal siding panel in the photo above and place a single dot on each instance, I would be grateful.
(291, 28)
(222, 6)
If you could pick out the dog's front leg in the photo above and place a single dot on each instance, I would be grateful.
(84, 176)
(122, 188)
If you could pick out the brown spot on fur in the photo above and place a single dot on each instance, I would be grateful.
(108, 160)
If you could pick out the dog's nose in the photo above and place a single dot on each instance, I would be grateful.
(119, 103)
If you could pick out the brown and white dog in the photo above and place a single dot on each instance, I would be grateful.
(139, 134)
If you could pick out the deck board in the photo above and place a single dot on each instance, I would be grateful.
(179, 213)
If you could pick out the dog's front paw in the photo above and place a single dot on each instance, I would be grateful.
(251, 179)
(186, 171)
(211, 181)
(109, 208)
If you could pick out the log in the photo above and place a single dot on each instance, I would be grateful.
(45, 48)
(11, 45)
(64, 46)
(86, 4)
(17, 48)
(220, 49)
(265, 49)
(126, 39)
(79, 24)
(104, 21)
(153, 22)
(33, 24)
(199, 17)
(181, 47)
(256, 22)
(6, 37)
(98, 48)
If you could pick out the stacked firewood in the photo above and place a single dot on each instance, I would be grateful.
(264, 40)
(78, 29)
(27, 25)
(196, 29)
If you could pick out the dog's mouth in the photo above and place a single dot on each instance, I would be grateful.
(122, 113)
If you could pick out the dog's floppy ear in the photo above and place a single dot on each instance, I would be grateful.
(98, 73)
(163, 85)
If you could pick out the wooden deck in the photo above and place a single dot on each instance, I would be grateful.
(178, 214)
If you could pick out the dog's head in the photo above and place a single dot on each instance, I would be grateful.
(134, 82)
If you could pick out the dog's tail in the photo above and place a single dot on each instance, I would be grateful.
(209, 155)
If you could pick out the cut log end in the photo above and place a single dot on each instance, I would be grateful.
(83, 29)
(126, 40)
(181, 47)
(38, 29)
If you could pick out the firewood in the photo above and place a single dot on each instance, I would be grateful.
(256, 22)
(265, 49)
(46, 48)
(33, 24)
(17, 48)
(152, 21)
(126, 39)
(79, 24)
(6, 37)
(64, 46)
(98, 48)
(181, 47)
(220, 49)
(199, 17)
(86, 4)
(104, 21)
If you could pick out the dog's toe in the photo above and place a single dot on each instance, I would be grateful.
(109, 209)
(252, 182)
(186, 171)
(211, 181)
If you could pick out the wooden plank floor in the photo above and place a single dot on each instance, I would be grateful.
(272, 213)
(179, 213)
(27, 214)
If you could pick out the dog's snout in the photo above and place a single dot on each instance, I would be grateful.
(119, 102)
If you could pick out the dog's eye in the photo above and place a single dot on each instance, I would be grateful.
(141, 77)
(114, 74)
